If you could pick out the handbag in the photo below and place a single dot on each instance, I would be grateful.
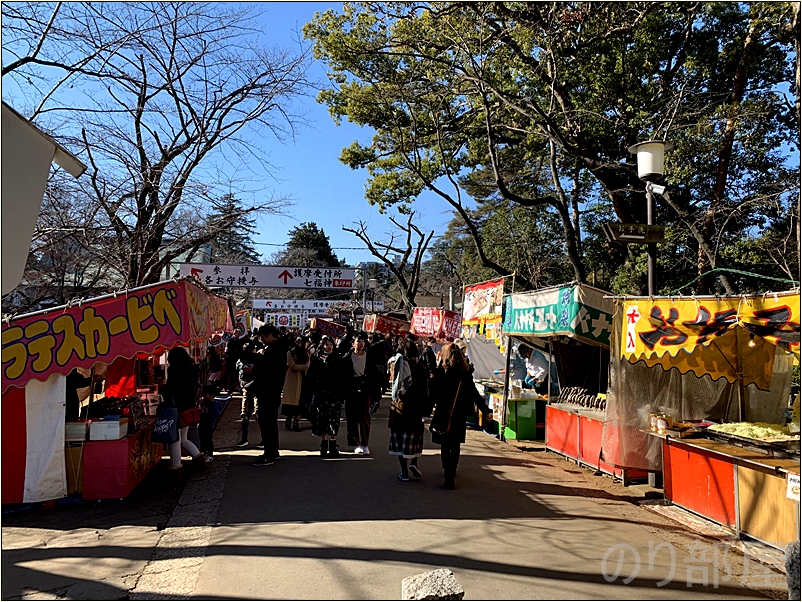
(189, 417)
(165, 429)
(441, 421)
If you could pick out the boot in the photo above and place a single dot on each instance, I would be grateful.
(175, 474)
(244, 426)
(295, 426)
(333, 451)
(200, 461)
(288, 423)
(324, 448)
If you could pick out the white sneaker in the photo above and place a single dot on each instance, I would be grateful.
(358, 450)
(365, 450)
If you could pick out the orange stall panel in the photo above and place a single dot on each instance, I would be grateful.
(699, 481)
(562, 431)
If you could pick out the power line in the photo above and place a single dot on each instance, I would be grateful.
(273, 244)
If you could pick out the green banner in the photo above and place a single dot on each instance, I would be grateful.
(577, 311)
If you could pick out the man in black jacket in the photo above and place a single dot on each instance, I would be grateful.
(271, 369)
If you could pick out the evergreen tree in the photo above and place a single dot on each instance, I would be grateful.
(308, 246)
(234, 243)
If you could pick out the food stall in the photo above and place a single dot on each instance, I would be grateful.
(571, 324)
(122, 334)
(482, 309)
(700, 389)
(382, 324)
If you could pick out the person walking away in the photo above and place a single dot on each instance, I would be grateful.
(378, 354)
(270, 371)
(297, 365)
(180, 389)
(455, 395)
(210, 414)
(356, 364)
(323, 381)
(234, 347)
(428, 358)
(410, 394)
(245, 367)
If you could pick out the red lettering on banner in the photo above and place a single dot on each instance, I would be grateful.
(341, 283)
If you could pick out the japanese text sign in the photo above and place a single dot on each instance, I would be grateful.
(266, 276)
(721, 336)
(329, 328)
(483, 302)
(578, 311)
(384, 324)
(155, 317)
(435, 322)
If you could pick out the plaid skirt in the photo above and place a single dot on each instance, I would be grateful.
(408, 445)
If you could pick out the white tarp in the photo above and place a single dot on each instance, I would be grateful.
(45, 472)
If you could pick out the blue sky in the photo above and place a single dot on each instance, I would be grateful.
(325, 191)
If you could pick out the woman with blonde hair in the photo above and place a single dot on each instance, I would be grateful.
(297, 365)
(455, 396)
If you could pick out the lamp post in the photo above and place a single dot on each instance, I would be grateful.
(651, 156)
(372, 285)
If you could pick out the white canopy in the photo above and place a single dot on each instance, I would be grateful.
(27, 153)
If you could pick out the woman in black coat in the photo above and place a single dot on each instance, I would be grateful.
(409, 406)
(324, 387)
(455, 396)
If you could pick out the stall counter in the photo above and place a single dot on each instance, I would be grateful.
(732, 486)
(111, 469)
(577, 434)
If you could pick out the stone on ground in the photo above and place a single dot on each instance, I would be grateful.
(434, 585)
(792, 569)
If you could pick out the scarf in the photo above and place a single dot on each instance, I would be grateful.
(402, 376)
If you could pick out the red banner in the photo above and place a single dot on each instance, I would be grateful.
(435, 322)
(385, 324)
(330, 328)
(101, 330)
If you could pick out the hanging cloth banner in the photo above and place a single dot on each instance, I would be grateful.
(435, 322)
(577, 311)
(483, 302)
(726, 337)
(101, 330)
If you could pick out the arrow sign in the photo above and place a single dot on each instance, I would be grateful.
(196, 272)
(285, 274)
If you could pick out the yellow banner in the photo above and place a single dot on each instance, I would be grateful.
(730, 337)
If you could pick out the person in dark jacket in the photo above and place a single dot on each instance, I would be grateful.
(234, 347)
(379, 357)
(409, 406)
(428, 358)
(359, 375)
(455, 396)
(323, 384)
(181, 390)
(270, 371)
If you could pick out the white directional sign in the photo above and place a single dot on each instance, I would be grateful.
(313, 306)
(268, 276)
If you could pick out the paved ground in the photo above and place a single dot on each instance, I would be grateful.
(520, 525)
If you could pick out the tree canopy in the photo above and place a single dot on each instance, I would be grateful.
(534, 105)
(308, 246)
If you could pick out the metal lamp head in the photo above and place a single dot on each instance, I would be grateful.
(651, 156)
(373, 283)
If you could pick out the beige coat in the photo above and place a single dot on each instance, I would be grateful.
(293, 381)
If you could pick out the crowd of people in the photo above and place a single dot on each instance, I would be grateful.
(313, 376)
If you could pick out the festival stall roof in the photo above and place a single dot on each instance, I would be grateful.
(576, 319)
(40, 349)
(574, 310)
(141, 320)
(734, 338)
